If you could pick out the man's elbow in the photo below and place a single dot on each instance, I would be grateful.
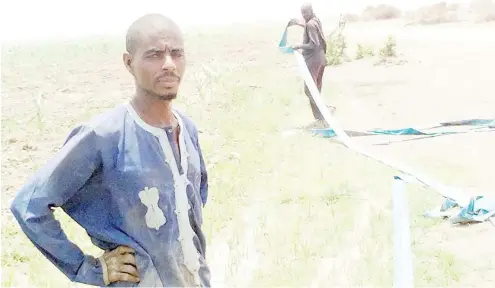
(14, 208)
(18, 208)
(22, 201)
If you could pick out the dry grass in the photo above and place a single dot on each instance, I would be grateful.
(303, 210)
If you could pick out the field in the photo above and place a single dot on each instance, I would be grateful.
(285, 208)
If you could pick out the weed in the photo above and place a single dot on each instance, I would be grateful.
(364, 51)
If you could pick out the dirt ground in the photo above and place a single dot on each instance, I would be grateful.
(446, 77)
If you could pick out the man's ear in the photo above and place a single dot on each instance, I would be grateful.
(128, 62)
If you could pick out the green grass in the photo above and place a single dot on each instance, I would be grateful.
(311, 192)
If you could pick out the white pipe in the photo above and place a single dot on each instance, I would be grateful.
(403, 265)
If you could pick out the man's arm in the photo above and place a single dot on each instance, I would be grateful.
(296, 21)
(314, 39)
(203, 188)
(51, 187)
(194, 135)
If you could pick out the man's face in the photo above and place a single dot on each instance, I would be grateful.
(307, 13)
(158, 63)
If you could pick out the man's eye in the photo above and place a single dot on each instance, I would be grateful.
(177, 53)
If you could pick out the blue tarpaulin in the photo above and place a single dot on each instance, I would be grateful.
(477, 209)
(478, 123)
(283, 44)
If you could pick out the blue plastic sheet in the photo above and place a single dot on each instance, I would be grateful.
(478, 123)
(283, 44)
(478, 209)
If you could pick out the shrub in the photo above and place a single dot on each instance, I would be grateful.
(336, 50)
(364, 51)
(389, 49)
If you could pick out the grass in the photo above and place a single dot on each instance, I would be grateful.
(389, 48)
(364, 51)
(336, 49)
(306, 200)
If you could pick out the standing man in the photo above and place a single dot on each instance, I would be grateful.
(134, 178)
(313, 50)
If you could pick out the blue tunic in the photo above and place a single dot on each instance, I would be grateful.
(96, 178)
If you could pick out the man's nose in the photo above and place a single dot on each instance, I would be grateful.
(168, 63)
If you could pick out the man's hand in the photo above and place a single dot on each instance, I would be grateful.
(119, 265)
(295, 47)
(296, 21)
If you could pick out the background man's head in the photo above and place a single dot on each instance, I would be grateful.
(155, 55)
(307, 11)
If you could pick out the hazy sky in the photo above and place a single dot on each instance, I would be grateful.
(35, 19)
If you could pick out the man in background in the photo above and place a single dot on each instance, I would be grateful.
(313, 50)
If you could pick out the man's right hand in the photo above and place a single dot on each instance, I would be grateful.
(120, 265)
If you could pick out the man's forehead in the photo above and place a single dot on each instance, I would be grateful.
(153, 29)
(165, 34)
(162, 39)
(306, 7)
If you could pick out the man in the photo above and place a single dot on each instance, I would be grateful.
(313, 50)
(134, 178)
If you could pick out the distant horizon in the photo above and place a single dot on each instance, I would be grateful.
(43, 20)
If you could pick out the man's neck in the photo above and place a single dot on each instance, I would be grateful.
(311, 18)
(155, 112)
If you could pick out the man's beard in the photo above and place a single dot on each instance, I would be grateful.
(166, 97)
(162, 97)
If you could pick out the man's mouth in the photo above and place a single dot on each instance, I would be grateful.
(168, 79)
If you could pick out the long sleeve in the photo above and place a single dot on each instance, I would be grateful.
(313, 35)
(204, 177)
(194, 134)
(52, 186)
(203, 188)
